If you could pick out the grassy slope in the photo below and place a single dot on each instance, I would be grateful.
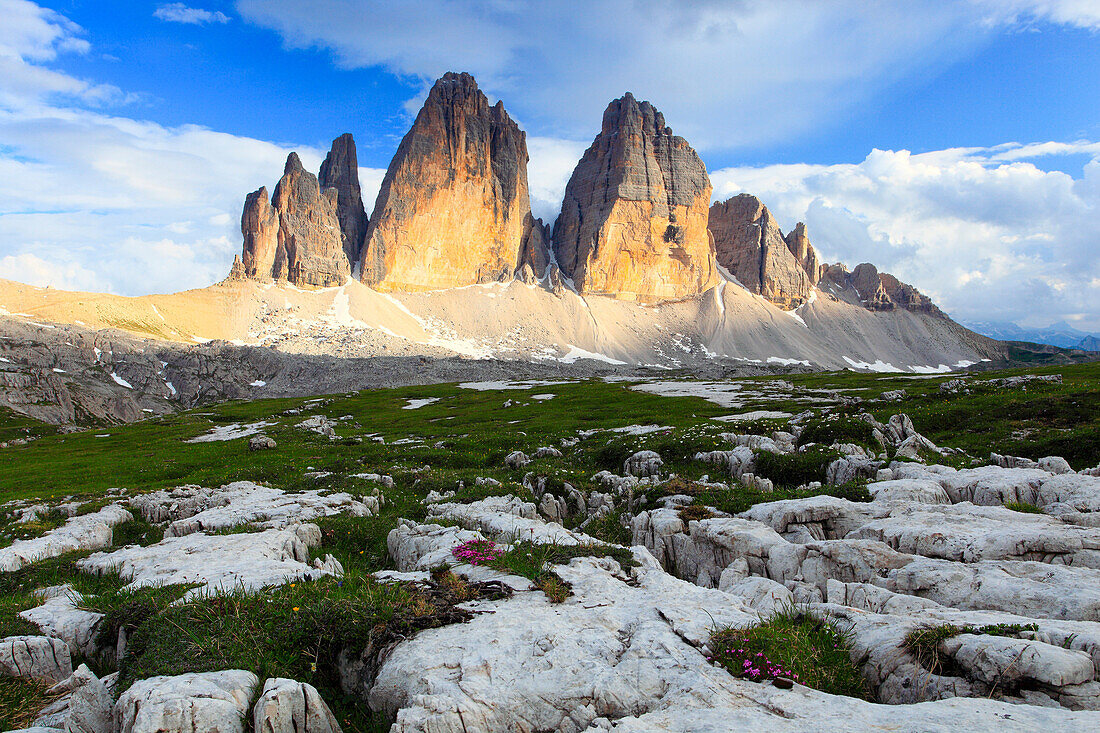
(477, 431)
(465, 434)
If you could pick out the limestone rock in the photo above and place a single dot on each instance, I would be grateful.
(748, 243)
(210, 701)
(866, 280)
(633, 223)
(260, 228)
(35, 657)
(287, 705)
(309, 232)
(453, 209)
(799, 244)
(85, 532)
(340, 170)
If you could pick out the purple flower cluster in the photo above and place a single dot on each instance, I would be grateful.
(477, 552)
(756, 666)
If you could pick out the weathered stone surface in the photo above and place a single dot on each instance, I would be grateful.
(287, 705)
(296, 236)
(628, 653)
(799, 244)
(633, 223)
(340, 170)
(35, 657)
(216, 562)
(309, 232)
(879, 291)
(85, 532)
(196, 509)
(453, 209)
(260, 228)
(60, 618)
(211, 701)
(748, 243)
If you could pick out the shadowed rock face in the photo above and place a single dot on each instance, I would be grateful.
(311, 248)
(453, 209)
(749, 244)
(880, 291)
(633, 222)
(341, 171)
(804, 252)
(296, 236)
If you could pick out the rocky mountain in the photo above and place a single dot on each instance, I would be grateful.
(804, 252)
(749, 243)
(633, 223)
(297, 235)
(1089, 343)
(340, 170)
(880, 291)
(453, 209)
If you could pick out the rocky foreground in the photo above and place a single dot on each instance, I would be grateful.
(968, 598)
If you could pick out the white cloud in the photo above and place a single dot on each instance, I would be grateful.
(986, 233)
(180, 13)
(101, 202)
(728, 74)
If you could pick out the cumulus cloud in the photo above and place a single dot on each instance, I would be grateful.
(716, 68)
(986, 232)
(100, 202)
(180, 13)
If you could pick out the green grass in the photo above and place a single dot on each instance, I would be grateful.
(20, 701)
(801, 646)
(535, 561)
(739, 498)
(839, 427)
(1023, 506)
(924, 644)
(795, 469)
(296, 630)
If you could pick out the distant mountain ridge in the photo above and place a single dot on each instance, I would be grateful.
(1056, 334)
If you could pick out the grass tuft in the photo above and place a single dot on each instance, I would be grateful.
(924, 644)
(800, 646)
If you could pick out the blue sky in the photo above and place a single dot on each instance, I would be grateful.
(949, 141)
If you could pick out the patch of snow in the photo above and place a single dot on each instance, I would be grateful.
(787, 362)
(257, 383)
(157, 312)
(641, 429)
(720, 393)
(719, 299)
(98, 353)
(941, 369)
(877, 366)
(171, 388)
(794, 314)
(964, 363)
(576, 352)
(41, 325)
(487, 386)
(5, 360)
(120, 381)
(59, 371)
(543, 396)
(200, 339)
(229, 432)
(417, 404)
(754, 415)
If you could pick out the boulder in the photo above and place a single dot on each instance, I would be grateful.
(210, 701)
(287, 705)
(261, 442)
(35, 657)
(633, 222)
